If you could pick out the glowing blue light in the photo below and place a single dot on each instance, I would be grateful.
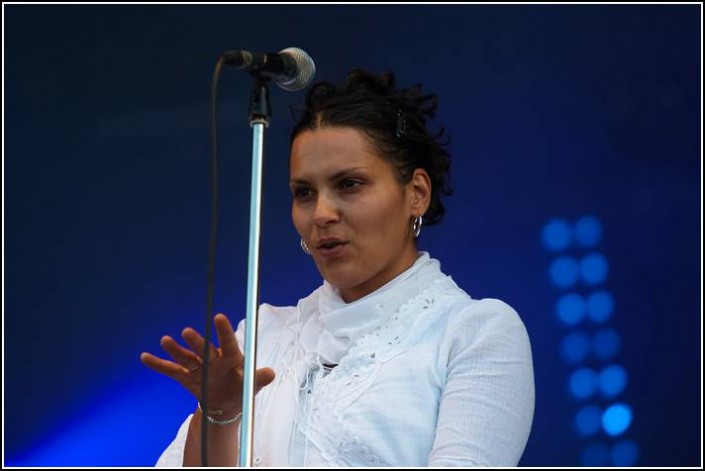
(588, 420)
(595, 455)
(625, 453)
(600, 306)
(606, 343)
(575, 347)
(564, 271)
(583, 383)
(617, 419)
(571, 308)
(594, 268)
(143, 416)
(613, 380)
(588, 231)
(556, 235)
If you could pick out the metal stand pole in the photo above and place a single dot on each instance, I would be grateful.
(259, 120)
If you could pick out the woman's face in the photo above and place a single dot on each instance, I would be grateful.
(351, 210)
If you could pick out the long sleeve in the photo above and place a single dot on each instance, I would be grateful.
(487, 404)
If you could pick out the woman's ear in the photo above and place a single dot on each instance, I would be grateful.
(420, 192)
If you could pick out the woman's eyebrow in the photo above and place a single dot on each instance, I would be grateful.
(335, 176)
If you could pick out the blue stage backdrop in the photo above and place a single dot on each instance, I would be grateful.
(577, 172)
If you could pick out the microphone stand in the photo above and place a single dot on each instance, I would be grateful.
(259, 116)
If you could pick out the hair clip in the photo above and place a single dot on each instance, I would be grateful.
(401, 123)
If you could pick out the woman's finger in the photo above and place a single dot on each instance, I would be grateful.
(185, 357)
(263, 377)
(194, 340)
(166, 367)
(226, 337)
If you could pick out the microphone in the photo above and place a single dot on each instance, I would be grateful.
(291, 68)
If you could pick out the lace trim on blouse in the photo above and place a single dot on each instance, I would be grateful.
(327, 395)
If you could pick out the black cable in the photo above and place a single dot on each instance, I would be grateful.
(211, 262)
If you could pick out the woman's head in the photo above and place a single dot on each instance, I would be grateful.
(394, 119)
(358, 186)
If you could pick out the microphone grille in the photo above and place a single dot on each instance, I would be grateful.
(305, 70)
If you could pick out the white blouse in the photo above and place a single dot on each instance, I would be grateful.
(425, 376)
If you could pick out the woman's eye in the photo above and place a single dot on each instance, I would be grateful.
(302, 193)
(350, 184)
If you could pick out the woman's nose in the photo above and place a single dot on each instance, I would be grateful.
(325, 211)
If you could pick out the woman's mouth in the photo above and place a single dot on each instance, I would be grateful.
(331, 247)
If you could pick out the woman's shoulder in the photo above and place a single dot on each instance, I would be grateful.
(269, 317)
(491, 326)
(467, 316)
(274, 317)
(488, 310)
(276, 312)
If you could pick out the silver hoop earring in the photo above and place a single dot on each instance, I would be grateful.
(416, 226)
(304, 247)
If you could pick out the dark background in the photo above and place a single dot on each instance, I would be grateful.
(556, 111)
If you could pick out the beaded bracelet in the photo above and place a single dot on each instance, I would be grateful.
(213, 421)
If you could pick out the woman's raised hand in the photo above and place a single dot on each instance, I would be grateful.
(225, 367)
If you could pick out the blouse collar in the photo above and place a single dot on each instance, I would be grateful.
(340, 324)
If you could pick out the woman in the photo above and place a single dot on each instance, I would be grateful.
(389, 362)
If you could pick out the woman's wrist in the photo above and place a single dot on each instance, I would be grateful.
(216, 417)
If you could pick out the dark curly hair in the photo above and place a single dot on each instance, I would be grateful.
(394, 119)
